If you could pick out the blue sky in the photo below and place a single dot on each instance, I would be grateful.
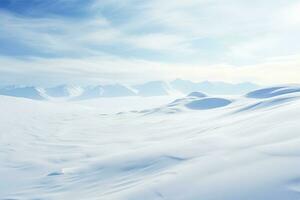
(85, 41)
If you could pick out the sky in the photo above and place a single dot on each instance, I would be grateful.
(46, 42)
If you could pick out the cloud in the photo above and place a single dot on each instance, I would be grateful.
(112, 41)
(54, 35)
(110, 69)
(291, 14)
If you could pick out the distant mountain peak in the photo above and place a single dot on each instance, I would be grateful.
(151, 88)
(218, 87)
(29, 92)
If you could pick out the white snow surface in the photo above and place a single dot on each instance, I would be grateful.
(148, 148)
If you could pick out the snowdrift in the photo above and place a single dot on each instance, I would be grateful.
(273, 91)
(193, 101)
(245, 147)
(197, 94)
(208, 103)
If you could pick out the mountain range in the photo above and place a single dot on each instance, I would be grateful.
(153, 88)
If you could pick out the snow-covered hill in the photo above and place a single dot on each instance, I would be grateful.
(215, 147)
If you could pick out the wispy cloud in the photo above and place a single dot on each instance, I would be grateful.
(109, 69)
(132, 40)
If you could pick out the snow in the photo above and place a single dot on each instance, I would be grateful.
(153, 88)
(273, 91)
(197, 94)
(67, 91)
(246, 149)
(24, 92)
(148, 89)
(208, 103)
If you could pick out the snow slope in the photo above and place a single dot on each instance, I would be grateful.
(244, 150)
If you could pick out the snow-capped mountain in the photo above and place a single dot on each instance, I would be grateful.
(153, 88)
(64, 91)
(148, 89)
(217, 88)
(90, 92)
(116, 90)
(35, 93)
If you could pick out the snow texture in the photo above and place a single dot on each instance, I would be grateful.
(211, 148)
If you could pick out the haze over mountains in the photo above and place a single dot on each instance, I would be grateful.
(148, 89)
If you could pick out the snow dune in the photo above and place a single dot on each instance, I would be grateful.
(208, 103)
(273, 91)
(235, 148)
(197, 94)
(193, 101)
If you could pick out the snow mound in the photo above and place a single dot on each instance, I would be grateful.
(197, 94)
(189, 103)
(269, 103)
(208, 103)
(272, 92)
(69, 150)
